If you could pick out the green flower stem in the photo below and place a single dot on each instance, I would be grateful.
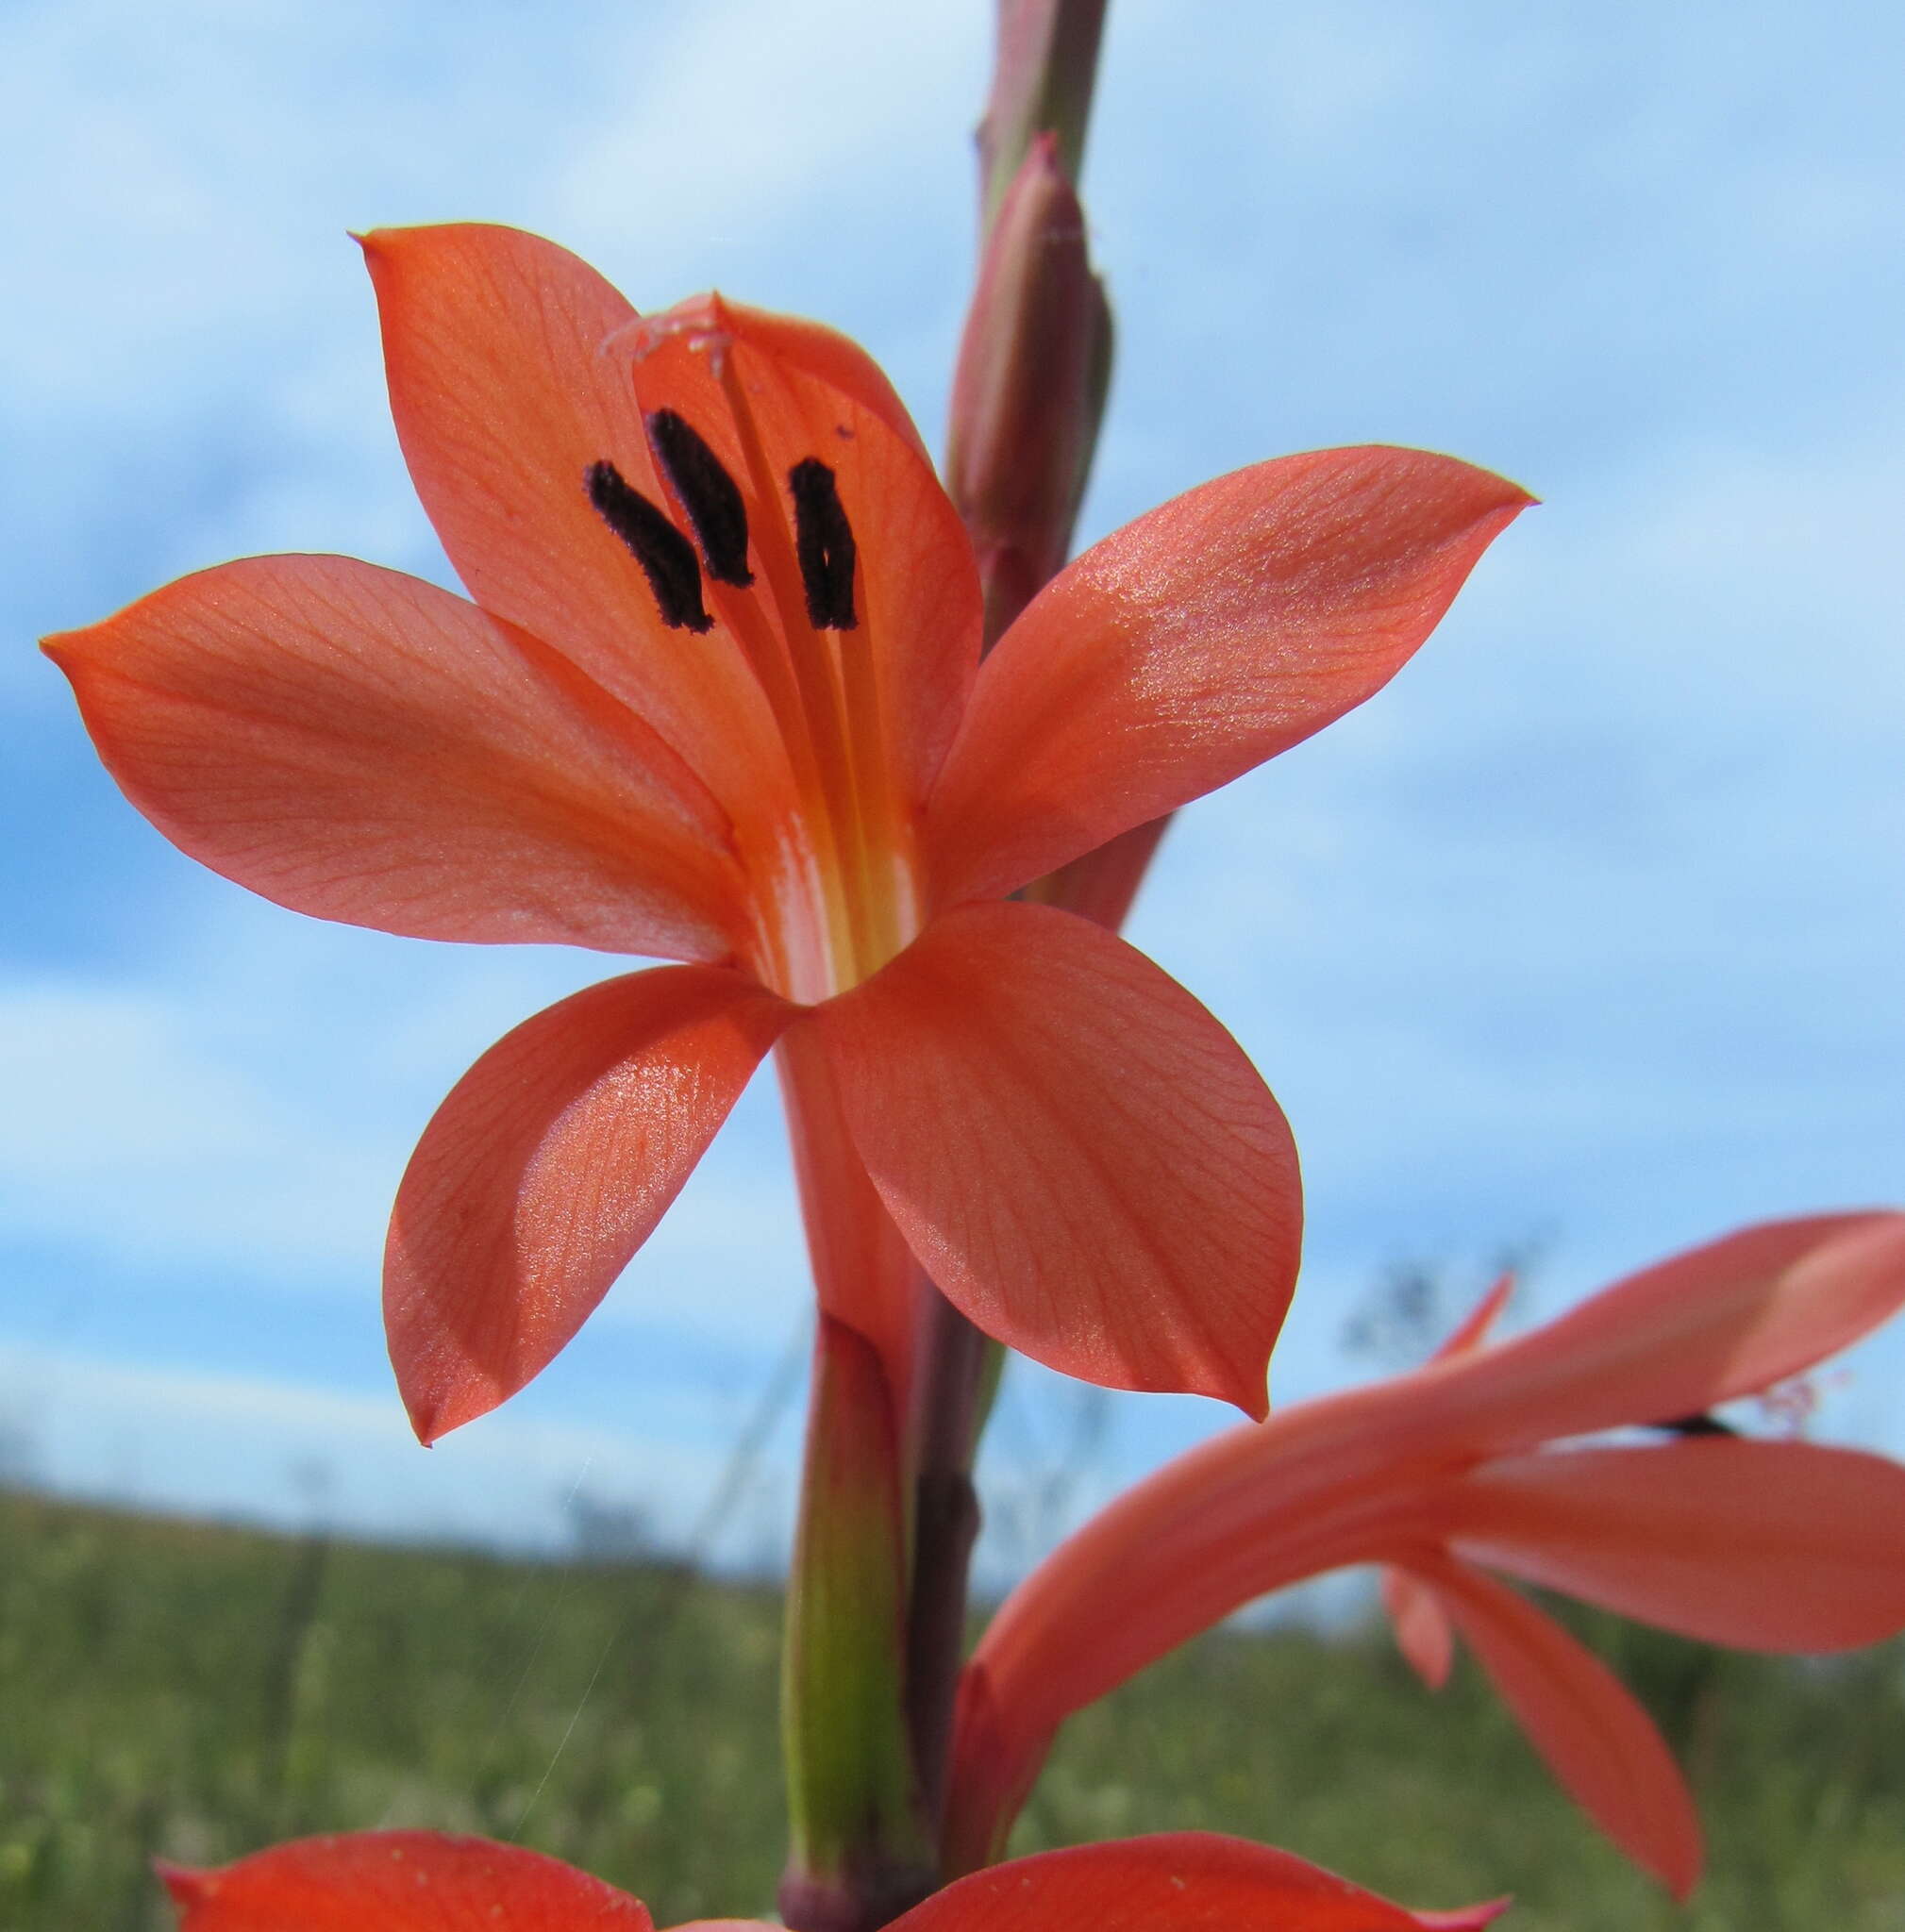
(861, 1851)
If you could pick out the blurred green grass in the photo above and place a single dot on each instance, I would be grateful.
(194, 1692)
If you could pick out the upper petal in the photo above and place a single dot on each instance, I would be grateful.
(830, 358)
(398, 1881)
(1188, 1881)
(1727, 1319)
(1760, 1545)
(547, 1167)
(1197, 641)
(1081, 1158)
(812, 396)
(503, 400)
(1598, 1743)
(363, 746)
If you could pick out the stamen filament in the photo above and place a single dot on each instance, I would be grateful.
(885, 833)
(852, 882)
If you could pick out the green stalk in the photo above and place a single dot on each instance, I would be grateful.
(860, 1852)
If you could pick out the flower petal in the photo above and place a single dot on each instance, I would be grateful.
(1474, 1328)
(1185, 1881)
(1245, 1512)
(354, 743)
(1760, 1545)
(1101, 884)
(1598, 1743)
(547, 1167)
(1723, 1320)
(827, 357)
(1423, 1632)
(503, 401)
(1199, 641)
(398, 1881)
(1081, 1158)
(814, 396)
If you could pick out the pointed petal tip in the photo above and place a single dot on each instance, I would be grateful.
(437, 1403)
(187, 1885)
(1249, 1392)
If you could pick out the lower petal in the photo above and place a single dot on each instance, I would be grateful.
(1597, 1740)
(1081, 1158)
(399, 1881)
(547, 1167)
(1785, 1546)
(1423, 1632)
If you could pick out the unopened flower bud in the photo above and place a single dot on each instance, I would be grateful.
(1033, 367)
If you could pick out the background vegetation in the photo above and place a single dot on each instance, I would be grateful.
(194, 1692)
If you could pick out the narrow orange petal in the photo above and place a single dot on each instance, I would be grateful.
(1207, 636)
(1242, 1515)
(1187, 1881)
(1599, 1743)
(1474, 1328)
(503, 399)
(1727, 1319)
(1760, 1545)
(398, 1881)
(1423, 1632)
(358, 744)
(1081, 1158)
(547, 1167)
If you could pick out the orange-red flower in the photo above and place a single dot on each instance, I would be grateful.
(418, 1881)
(719, 699)
(1444, 1475)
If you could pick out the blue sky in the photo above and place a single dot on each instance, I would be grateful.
(1585, 936)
